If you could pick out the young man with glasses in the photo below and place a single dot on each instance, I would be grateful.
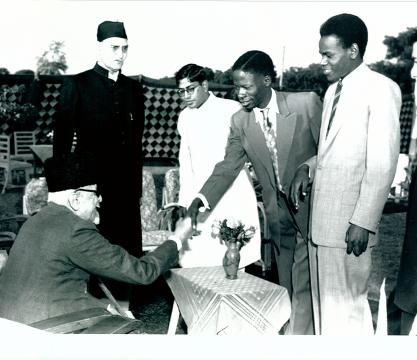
(204, 128)
(58, 249)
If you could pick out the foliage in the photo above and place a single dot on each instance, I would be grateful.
(400, 73)
(399, 50)
(25, 72)
(305, 79)
(18, 116)
(53, 61)
(4, 71)
(223, 77)
(232, 231)
(400, 46)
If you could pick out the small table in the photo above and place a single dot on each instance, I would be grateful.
(40, 154)
(213, 305)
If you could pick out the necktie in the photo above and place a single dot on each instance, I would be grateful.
(335, 101)
(271, 143)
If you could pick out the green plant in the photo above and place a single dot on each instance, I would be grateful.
(232, 231)
(17, 115)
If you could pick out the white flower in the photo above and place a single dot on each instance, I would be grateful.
(233, 223)
(215, 228)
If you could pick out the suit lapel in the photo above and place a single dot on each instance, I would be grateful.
(286, 122)
(334, 129)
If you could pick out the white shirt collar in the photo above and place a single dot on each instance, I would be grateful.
(273, 109)
(114, 76)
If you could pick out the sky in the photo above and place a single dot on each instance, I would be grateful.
(165, 35)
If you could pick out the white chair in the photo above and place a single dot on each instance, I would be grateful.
(23, 140)
(9, 166)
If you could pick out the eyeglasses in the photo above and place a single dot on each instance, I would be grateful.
(96, 192)
(189, 90)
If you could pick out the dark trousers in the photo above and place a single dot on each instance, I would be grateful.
(402, 304)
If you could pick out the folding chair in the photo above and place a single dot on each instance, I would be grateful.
(23, 140)
(10, 167)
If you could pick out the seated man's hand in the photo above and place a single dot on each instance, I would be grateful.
(178, 213)
(193, 211)
(183, 231)
(299, 186)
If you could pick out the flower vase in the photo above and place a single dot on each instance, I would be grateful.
(231, 260)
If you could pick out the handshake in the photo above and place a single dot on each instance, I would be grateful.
(186, 222)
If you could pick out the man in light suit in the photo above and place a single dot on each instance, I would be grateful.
(295, 119)
(351, 175)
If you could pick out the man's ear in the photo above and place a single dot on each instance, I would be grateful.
(74, 200)
(205, 85)
(354, 51)
(267, 80)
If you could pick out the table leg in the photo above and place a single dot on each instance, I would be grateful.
(173, 321)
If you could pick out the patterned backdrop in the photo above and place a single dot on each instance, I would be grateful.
(162, 106)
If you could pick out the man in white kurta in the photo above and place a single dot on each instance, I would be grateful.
(351, 174)
(204, 128)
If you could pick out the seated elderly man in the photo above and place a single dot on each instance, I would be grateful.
(58, 248)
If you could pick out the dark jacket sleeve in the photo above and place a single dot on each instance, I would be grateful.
(65, 117)
(92, 252)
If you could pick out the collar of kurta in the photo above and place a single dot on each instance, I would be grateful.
(103, 72)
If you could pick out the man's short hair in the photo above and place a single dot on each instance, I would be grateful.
(349, 28)
(256, 62)
(192, 72)
(70, 171)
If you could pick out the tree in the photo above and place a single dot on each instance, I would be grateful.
(400, 46)
(4, 71)
(52, 61)
(305, 79)
(398, 60)
(399, 72)
(223, 77)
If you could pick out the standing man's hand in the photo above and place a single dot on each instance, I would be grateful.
(193, 211)
(356, 239)
(299, 185)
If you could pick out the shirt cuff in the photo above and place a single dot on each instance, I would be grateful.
(205, 202)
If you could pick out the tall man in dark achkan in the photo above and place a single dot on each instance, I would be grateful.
(106, 111)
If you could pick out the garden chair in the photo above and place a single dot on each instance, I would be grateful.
(23, 140)
(155, 222)
(10, 166)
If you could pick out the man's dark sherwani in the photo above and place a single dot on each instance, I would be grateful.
(108, 119)
(52, 259)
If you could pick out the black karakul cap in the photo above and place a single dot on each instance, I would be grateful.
(108, 29)
(70, 171)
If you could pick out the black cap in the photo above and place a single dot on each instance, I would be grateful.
(108, 29)
(70, 171)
